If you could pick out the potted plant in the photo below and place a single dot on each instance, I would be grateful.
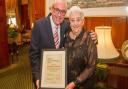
(102, 71)
(11, 34)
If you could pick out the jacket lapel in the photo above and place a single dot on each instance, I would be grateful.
(49, 32)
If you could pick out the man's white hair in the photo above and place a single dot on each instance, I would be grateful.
(59, 1)
(76, 9)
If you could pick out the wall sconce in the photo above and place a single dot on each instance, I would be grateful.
(106, 50)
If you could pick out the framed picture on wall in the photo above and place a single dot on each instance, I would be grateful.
(97, 3)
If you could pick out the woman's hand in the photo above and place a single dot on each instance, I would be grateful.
(70, 85)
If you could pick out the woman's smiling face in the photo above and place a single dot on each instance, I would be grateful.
(76, 22)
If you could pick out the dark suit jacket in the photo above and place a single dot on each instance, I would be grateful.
(42, 38)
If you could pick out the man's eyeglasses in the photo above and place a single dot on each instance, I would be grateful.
(58, 11)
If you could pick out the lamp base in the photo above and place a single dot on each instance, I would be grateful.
(110, 60)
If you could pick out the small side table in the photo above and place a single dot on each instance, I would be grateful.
(118, 76)
(13, 51)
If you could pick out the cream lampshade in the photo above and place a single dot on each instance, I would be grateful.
(105, 47)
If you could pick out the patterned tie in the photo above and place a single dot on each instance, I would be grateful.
(56, 37)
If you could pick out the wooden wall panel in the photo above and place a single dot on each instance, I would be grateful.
(118, 24)
(39, 9)
(92, 22)
(4, 56)
(119, 31)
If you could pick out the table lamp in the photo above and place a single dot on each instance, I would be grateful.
(106, 49)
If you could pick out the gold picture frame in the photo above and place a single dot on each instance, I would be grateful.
(124, 50)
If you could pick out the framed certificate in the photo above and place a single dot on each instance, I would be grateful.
(53, 69)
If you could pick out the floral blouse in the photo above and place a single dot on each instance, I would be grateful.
(81, 57)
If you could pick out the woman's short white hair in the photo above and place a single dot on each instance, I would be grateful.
(76, 9)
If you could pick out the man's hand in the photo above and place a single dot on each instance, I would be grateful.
(94, 36)
(37, 84)
(70, 85)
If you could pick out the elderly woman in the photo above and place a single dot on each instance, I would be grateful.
(81, 52)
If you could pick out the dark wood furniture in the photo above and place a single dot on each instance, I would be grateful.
(118, 76)
(13, 52)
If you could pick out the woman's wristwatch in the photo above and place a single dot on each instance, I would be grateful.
(77, 82)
